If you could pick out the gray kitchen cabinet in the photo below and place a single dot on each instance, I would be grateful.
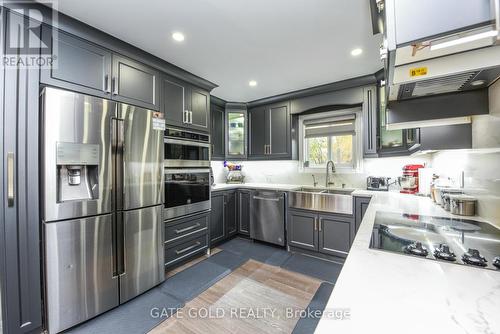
(217, 132)
(302, 229)
(360, 206)
(231, 219)
(236, 131)
(244, 211)
(173, 103)
(335, 235)
(20, 265)
(78, 64)
(185, 238)
(270, 132)
(329, 234)
(199, 108)
(135, 83)
(257, 133)
(217, 218)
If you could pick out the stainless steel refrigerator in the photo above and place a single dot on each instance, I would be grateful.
(102, 205)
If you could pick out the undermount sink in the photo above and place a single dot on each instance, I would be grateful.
(337, 200)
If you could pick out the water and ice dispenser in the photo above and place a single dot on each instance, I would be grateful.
(77, 171)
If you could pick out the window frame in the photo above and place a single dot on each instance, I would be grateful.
(357, 143)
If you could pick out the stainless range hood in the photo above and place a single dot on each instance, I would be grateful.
(457, 53)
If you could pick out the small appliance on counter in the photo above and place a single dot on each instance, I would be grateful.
(409, 180)
(454, 240)
(378, 183)
(234, 174)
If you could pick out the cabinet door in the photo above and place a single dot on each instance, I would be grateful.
(217, 225)
(302, 230)
(199, 110)
(335, 235)
(217, 133)
(173, 103)
(231, 217)
(279, 130)
(236, 134)
(257, 136)
(135, 83)
(20, 278)
(244, 212)
(79, 65)
(360, 206)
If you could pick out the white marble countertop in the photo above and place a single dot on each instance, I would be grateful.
(270, 186)
(392, 293)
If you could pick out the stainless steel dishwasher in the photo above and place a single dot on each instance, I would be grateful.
(267, 222)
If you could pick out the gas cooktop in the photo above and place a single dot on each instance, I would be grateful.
(460, 241)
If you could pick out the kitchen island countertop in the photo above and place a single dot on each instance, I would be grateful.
(385, 292)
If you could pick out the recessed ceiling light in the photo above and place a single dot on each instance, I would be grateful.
(178, 36)
(252, 83)
(477, 83)
(356, 52)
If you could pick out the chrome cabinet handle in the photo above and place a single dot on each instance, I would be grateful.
(190, 117)
(315, 224)
(106, 87)
(10, 179)
(319, 224)
(182, 230)
(114, 86)
(184, 250)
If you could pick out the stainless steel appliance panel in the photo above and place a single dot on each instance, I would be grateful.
(142, 158)
(76, 130)
(79, 270)
(267, 221)
(143, 251)
(187, 191)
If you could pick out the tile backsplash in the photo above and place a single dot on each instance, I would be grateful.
(288, 171)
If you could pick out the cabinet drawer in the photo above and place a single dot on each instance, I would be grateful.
(185, 249)
(185, 227)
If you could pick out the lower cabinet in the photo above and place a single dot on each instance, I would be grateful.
(325, 233)
(185, 237)
(360, 206)
(243, 197)
(223, 218)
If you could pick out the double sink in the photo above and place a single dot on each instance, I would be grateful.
(333, 200)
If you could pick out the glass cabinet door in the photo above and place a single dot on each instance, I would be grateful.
(236, 134)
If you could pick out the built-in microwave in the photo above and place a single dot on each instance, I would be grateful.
(186, 149)
(187, 191)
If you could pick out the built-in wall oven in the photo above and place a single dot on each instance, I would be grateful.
(186, 149)
(187, 173)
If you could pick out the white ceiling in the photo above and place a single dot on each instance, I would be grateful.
(284, 45)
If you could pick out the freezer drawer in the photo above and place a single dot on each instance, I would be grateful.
(143, 251)
(79, 270)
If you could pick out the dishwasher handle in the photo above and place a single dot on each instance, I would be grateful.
(267, 198)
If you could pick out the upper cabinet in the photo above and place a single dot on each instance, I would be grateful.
(217, 132)
(370, 122)
(79, 65)
(236, 131)
(135, 83)
(184, 105)
(270, 128)
(85, 67)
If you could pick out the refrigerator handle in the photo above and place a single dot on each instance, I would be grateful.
(120, 237)
(118, 140)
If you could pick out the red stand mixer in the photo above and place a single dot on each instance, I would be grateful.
(409, 180)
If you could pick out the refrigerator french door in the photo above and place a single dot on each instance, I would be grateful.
(103, 195)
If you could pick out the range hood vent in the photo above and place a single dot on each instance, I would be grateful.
(441, 85)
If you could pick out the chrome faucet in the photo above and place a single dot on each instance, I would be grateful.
(315, 183)
(328, 170)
